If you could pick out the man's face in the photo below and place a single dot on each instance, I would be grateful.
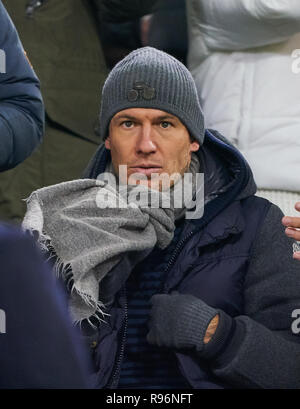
(149, 141)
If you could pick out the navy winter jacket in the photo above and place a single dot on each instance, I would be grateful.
(237, 259)
(21, 105)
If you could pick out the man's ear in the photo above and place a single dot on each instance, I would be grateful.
(107, 142)
(194, 146)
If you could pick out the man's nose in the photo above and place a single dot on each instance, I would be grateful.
(145, 142)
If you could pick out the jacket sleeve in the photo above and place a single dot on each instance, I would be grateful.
(118, 11)
(241, 24)
(21, 106)
(262, 350)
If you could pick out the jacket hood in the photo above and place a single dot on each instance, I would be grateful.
(224, 166)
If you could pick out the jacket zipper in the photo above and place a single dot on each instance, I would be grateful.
(175, 255)
(113, 383)
(166, 271)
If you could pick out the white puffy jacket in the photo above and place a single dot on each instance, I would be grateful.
(248, 81)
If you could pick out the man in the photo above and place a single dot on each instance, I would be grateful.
(292, 224)
(186, 302)
(21, 105)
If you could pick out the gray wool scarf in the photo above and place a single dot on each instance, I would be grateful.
(93, 239)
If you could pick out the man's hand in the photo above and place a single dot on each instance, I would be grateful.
(181, 321)
(292, 225)
(211, 329)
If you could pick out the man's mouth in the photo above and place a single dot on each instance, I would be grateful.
(146, 169)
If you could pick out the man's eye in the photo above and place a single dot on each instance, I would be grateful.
(127, 124)
(165, 124)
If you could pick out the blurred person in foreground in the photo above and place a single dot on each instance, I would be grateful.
(21, 105)
(62, 41)
(244, 57)
(38, 346)
(178, 293)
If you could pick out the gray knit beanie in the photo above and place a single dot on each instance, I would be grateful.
(150, 78)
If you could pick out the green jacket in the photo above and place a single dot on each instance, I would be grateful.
(63, 45)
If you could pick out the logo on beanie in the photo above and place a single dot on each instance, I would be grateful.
(141, 90)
